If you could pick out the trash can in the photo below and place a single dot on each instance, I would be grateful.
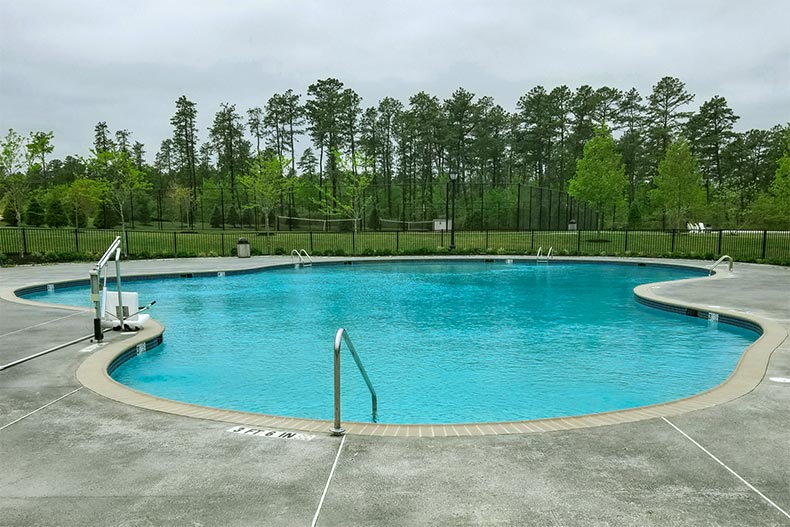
(572, 225)
(243, 248)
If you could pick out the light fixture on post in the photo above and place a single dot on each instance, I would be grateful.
(453, 179)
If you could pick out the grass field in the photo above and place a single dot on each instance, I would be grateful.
(38, 244)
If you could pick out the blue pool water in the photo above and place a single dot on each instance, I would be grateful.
(442, 342)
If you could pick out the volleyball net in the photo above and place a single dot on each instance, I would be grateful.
(314, 224)
(399, 225)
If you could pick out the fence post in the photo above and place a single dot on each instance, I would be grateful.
(175, 245)
(311, 241)
(518, 207)
(529, 208)
(579, 242)
(126, 234)
(532, 242)
(24, 242)
(672, 249)
(765, 242)
(353, 242)
(718, 248)
(397, 241)
(486, 239)
(625, 243)
(76, 240)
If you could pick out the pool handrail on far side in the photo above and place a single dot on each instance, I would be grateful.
(723, 258)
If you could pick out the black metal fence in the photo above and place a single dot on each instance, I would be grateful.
(85, 244)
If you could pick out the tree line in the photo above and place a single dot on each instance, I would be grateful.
(640, 161)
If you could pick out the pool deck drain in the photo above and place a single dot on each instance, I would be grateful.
(76, 458)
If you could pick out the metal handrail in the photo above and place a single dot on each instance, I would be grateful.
(303, 261)
(541, 258)
(307, 256)
(340, 336)
(108, 253)
(723, 258)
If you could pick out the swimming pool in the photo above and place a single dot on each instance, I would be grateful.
(443, 342)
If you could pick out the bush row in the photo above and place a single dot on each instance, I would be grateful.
(55, 257)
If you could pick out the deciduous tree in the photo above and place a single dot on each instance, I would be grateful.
(265, 181)
(678, 186)
(600, 176)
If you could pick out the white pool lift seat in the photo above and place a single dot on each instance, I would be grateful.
(132, 318)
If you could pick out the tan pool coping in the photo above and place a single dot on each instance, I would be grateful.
(748, 373)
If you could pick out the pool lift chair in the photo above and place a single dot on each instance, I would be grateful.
(118, 312)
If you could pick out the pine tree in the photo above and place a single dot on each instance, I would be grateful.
(55, 216)
(374, 222)
(709, 131)
(142, 209)
(233, 217)
(35, 213)
(185, 147)
(216, 217)
(9, 214)
(247, 217)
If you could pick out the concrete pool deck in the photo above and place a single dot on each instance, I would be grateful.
(71, 457)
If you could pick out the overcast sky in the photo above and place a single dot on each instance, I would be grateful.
(65, 65)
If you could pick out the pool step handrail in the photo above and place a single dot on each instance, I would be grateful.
(305, 260)
(726, 257)
(340, 337)
(544, 259)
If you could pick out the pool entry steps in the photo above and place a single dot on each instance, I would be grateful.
(541, 258)
(340, 336)
(304, 258)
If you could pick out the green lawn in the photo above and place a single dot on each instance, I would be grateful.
(85, 244)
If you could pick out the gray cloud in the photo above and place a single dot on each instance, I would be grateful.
(66, 65)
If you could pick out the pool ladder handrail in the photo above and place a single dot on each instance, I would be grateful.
(723, 258)
(340, 337)
(544, 259)
(305, 260)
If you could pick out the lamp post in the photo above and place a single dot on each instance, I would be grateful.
(453, 179)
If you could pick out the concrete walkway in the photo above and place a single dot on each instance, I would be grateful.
(71, 457)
